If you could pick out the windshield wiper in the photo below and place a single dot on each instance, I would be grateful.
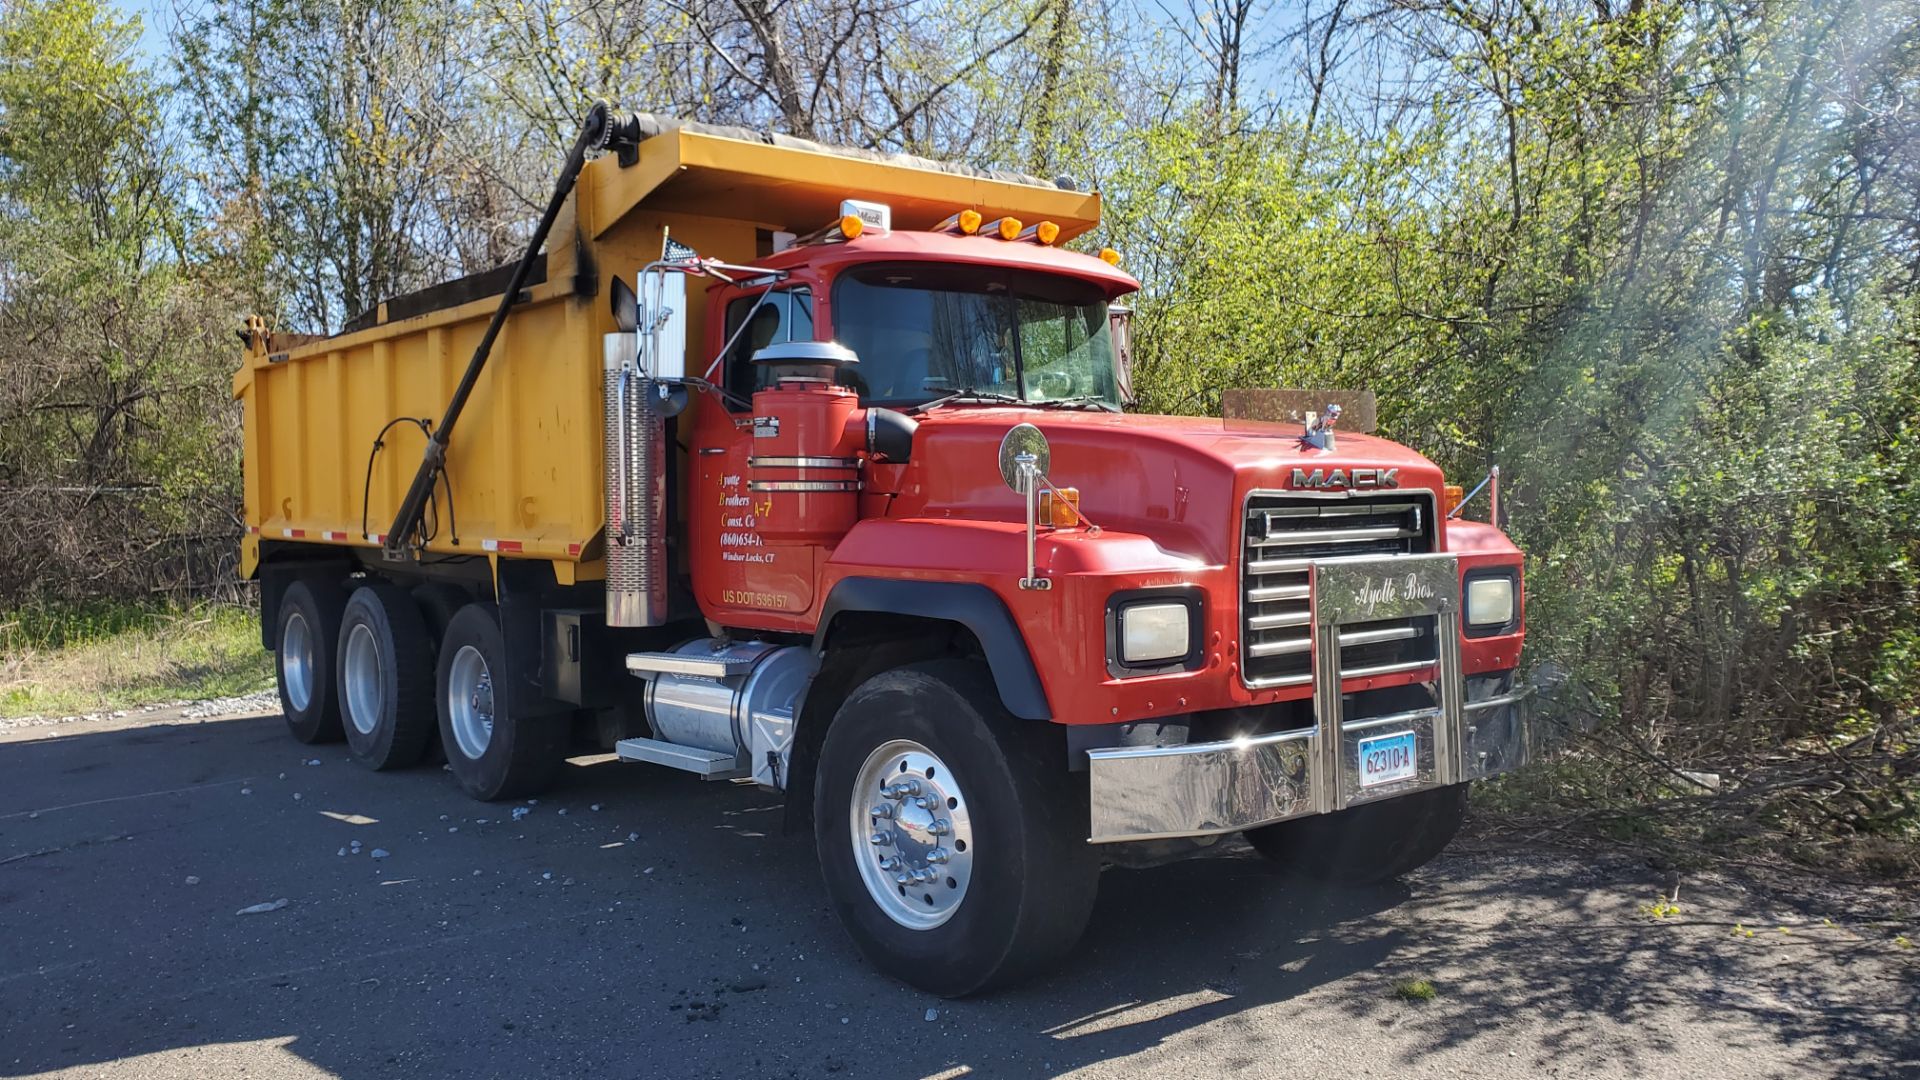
(968, 394)
(1081, 402)
(989, 397)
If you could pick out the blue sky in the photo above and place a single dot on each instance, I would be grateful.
(155, 17)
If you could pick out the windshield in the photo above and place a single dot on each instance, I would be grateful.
(925, 331)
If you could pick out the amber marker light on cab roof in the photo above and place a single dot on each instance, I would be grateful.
(1452, 493)
(857, 218)
(1110, 256)
(966, 223)
(1045, 232)
(1007, 228)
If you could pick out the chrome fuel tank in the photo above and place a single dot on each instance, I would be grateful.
(730, 697)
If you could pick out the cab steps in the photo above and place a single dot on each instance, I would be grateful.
(703, 763)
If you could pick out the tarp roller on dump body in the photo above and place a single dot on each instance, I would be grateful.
(525, 471)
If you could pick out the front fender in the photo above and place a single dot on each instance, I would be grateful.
(974, 606)
(1062, 630)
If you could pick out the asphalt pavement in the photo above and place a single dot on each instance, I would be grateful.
(636, 922)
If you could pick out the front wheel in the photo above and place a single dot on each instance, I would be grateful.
(1367, 844)
(952, 844)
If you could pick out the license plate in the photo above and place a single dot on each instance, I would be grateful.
(1386, 758)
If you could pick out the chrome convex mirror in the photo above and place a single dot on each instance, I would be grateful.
(1024, 460)
(1023, 439)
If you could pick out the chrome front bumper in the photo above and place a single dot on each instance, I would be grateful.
(1163, 792)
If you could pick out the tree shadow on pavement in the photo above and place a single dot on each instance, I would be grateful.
(1567, 952)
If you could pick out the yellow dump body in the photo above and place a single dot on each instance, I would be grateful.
(526, 459)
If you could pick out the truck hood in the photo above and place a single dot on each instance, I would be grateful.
(1180, 480)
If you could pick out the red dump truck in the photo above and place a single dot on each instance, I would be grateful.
(809, 468)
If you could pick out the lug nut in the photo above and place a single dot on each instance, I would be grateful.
(939, 856)
(891, 864)
(940, 827)
(905, 879)
(878, 838)
(882, 811)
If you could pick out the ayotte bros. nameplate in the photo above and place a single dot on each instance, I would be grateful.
(1395, 587)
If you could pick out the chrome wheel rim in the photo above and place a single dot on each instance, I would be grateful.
(360, 678)
(296, 661)
(470, 701)
(912, 835)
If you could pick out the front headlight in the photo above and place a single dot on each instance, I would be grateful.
(1489, 602)
(1150, 632)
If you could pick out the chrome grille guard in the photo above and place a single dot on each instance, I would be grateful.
(1200, 789)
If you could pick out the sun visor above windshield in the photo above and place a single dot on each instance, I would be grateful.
(796, 185)
(1260, 405)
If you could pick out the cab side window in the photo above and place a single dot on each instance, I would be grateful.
(787, 315)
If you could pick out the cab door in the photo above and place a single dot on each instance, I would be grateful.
(739, 577)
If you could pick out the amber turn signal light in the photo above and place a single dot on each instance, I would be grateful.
(1110, 256)
(851, 226)
(1060, 507)
(1007, 228)
(1452, 494)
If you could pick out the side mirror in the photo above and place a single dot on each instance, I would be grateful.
(661, 317)
(1120, 322)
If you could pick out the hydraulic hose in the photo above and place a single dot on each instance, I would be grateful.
(595, 134)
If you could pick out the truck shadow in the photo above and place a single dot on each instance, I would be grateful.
(1547, 959)
(578, 943)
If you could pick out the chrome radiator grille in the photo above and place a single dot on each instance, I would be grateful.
(1281, 536)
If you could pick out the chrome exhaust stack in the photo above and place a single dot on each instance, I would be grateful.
(636, 484)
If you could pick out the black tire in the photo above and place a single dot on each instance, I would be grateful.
(383, 629)
(1033, 875)
(1367, 844)
(519, 757)
(439, 602)
(303, 668)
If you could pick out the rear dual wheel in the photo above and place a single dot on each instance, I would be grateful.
(491, 752)
(386, 677)
(306, 635)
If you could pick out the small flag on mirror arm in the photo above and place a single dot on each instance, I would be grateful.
(674, 251)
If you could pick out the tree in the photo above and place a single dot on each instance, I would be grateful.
(345, 176)
(116, 449)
